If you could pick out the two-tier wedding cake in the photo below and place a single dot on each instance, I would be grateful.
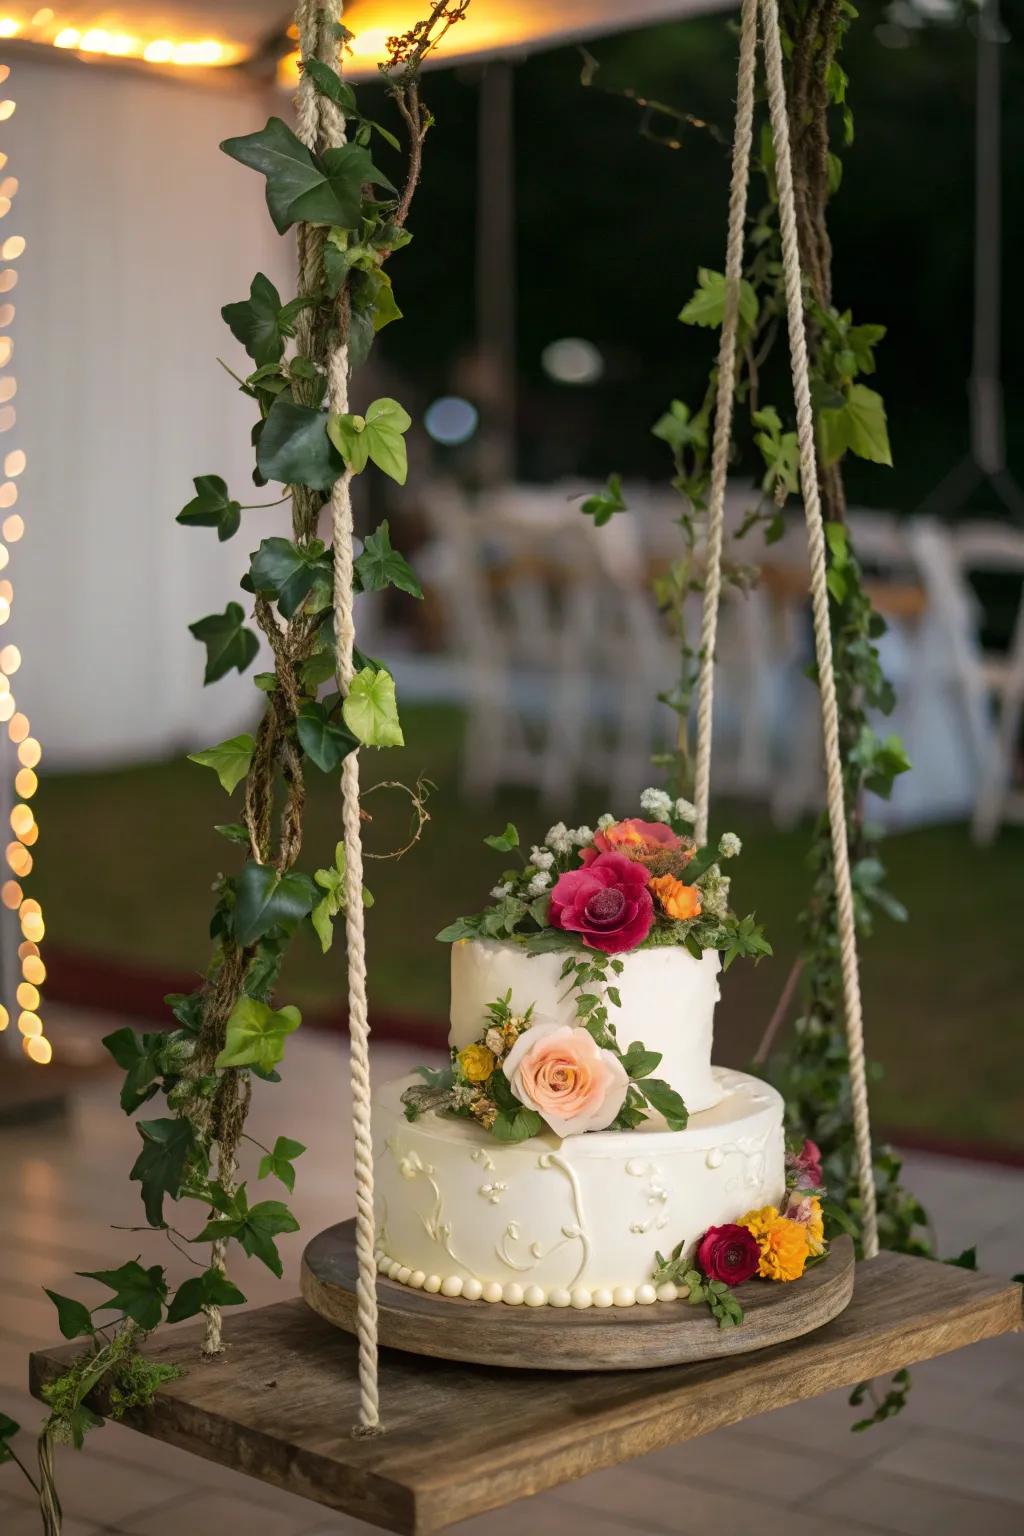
(581, 1132)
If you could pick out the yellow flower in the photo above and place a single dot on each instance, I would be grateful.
(476, 1063)
(815, 1228)
(784, 1244)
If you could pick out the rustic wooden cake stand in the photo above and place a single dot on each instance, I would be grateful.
(562, 1339)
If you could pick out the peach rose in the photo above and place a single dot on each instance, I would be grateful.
(560, 1071)
(677, 900)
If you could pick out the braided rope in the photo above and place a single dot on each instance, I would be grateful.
(822, 631)
(723, 411)
(320, 119)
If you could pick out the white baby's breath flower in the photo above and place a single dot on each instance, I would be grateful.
(581, 836)
(656, 803)
(539, 884)
(541, 858)
(686, 811)
(729, 845)
(558, 838)
(605, 821)
(502, 890)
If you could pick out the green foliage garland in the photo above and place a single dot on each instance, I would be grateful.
(350, 220)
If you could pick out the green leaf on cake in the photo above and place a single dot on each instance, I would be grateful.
(265, 899)
(255, 1035)
(371, 709)
(504, 842)
(228, 643)
(665, 1102)
(230, 760)
(279, 1161)
(639, 1062)
(212, 507)
(138, 1293)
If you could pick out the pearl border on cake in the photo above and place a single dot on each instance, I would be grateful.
(513, 1294)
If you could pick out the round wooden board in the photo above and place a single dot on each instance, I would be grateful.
(562, 1339)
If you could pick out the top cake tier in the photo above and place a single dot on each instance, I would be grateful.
(667, 1001)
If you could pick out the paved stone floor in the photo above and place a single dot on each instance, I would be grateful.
(953, 1464)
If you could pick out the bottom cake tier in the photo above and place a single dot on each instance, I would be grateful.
(573, 1222)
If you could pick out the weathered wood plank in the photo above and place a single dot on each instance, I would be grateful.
(549, 1338)
(462, 1439)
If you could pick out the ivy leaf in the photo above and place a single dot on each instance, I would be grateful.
(8, 1429)
(462, 928)
(289, 571)
(228, 642)
(332, 882)
(302, 187)
(707, 307)
(373, 296)
(639, 1062)
(371, 709)
(212, 507)
(386, 422)
(331, 85)
(325, 742)
(294, 447)
(279, 1161)
(348, 434)
(73, 1318)
(518, 1125)
(167, 1146)
(140, 1059)
(138, 1293)
(261, 322)
(264, 898)
(381, 566)
(858, 425)
(254, 1229)
(504, 842)
(255, 1035)
(212, 1289)
(666, 1102)
(230, 760)
(603, 505)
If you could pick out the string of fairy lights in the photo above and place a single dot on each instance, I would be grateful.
(18, 854)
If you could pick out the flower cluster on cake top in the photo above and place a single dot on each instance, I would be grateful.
(627, 885)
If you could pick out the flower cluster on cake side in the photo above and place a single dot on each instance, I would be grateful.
(773, 1243)
(594, 895)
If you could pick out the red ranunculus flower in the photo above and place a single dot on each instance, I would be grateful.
(607, 903)
(728, 1253)
(635, 838)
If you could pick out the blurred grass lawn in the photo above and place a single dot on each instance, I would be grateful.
(127, 858)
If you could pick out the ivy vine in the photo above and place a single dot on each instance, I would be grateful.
(350, 220)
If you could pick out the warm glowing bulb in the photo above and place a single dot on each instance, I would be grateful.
(9, 186)
(8, 494)
(5, 609)
(25, 783)
(8, 282)
(26, 947)
(39, 1049)
(5, 1019)
(8, 416)
(160, 52)
(6, 350)
(33, 927)
(43, 16)
(33, 970)
(20, 860)
(7, 109)
(30, 1023)
(13, 247)
(369, 44)
(28, 996)
(22, 820)
(6, 706)
(121, 45)
(10, 660)
(14, 463)
(7, 311)
(69, 37)
(19, 728)
(13, 528)
(6, 592)
(29, 753)
(31, 837)
(11, 895)
(9, 27)
(30, 906)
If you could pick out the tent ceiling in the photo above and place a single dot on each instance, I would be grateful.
(134, 28)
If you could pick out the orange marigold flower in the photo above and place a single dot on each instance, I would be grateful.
(677, 900)
(784, 1244)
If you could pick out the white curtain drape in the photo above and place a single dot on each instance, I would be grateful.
(137, 230)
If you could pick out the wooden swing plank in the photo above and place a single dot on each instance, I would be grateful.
(463, 1439)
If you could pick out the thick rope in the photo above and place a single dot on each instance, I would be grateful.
(723, 412)
(319, 119)
(822, 631)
